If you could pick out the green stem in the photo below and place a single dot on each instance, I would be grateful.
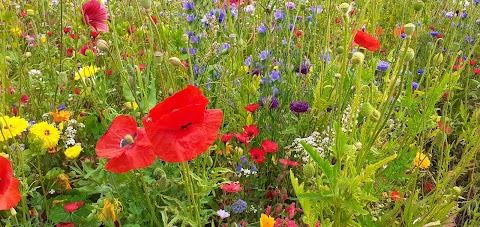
(149, 203)
(190, 192)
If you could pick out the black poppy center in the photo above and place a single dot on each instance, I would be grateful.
(186, 125)
(127, 140)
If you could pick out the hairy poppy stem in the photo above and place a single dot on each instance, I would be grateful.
(190, 192)
(149, 203)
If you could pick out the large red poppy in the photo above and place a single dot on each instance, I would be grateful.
(367, 41)
(95, 15)
(9, 193)
(126, 145)
(180, 128)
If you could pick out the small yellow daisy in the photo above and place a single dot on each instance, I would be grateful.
(86, 72)
(422, 161)
(11, 126)
(46, 132)
(73, 152)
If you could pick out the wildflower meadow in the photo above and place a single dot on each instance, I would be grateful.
(237, 113)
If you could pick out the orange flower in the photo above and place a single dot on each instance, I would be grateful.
(379, 31)
(61, 116)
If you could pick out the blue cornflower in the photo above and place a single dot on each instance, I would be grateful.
(262, 29)
(62, 107)
(309, 18)
(463, 15)
(239, 206)
(403, 35)
(254, 168)
(434, 33)
(195, 39)
(190, 17)
(248, 61)
(243, 159)
(414, 85)
(449, 14)
(192, 51)
(239, 168)
(420, 71)
(383, 65)
(317, 9)
(263, 55)
(278, 15)
(275, 75)
(188, 5)
(469, 39)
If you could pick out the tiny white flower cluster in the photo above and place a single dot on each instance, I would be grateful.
(252, 209)
(348, 114)
(319, 141)
(247, 172)
(71, 132)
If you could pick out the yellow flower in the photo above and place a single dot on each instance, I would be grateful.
(16, 30)
(275, 67)
(43, 38)
(266, 221)
(11, 126)
(86, 72)
(110, 210)
(61, 116)
(63, 179)
(131, 105)
(48, 133)
(244, 68)
(422, 161)
(73, 152)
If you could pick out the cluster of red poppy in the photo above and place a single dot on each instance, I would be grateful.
(9, 193)
(176, 130)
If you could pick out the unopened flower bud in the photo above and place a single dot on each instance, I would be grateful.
(358, 145)
(375, 117)
(409, 29)
(409, 54)
(367, 109)
(339, 50)
(30, 12)
(13, 212)
(344, 7)
(417, 6)
(185, 38)
(28, 54)
(102, 45)
(358, 58)
(457, 190)
(309, 170)
(146, 4)
(455, 47)
(438, 59)
(175, 61)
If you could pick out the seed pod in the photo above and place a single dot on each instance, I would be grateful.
(438, 58)
(309, 170)
(417, 6)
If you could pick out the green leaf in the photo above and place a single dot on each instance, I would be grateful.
(324, 166)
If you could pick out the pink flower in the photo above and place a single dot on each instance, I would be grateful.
(232, 187)
(72, 207)
(95, 15)
(288, 162)
(269, 146)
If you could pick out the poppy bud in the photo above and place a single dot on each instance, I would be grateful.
(409, 54)
(438, 58)
(8, 59)
(13, 212)
(309, 170)
(358, 145)
(367, 109)
(375, 116)
(417, 6)
(146, 4)
(185, 38)
(358, 58)
(344, 7)
(233, 38)
(409, 29)
(28, 54)
(170, 91)
(339, 50)
(102, 45)
(175, 61)
(209, 161)
(457, 190)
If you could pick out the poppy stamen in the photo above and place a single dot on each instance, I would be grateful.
(185, 126)
(127, 140)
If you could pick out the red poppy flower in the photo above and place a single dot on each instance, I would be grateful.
(226, 137)
(251, 107)
(232, 187)
(444, 128)
(251, 131)
(473, 62)
(126, 145)
(476, 70)
(269, 146)
(9, 193)
(72, 207)
(24, 98)
(180, 126)
(428, 187)
(243, 138)
(367, 41)
(95, 15)
(67, 29)
(395, 195)
(288, 162)
(258, 155)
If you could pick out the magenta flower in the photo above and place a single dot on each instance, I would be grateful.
(95, 15)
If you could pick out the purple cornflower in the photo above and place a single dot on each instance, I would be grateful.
(192, 51)
(434, 33)
(303, 69)
(275, 75)
(420, 71)
(414, 85)
(278, 15)
(262, 29)
(299, 106)
(273, 102)
(239, 206)
(290, 5)
(383, 65)
(243, 159)
(449, 14)
(225, 46)
(463, 15)
(469, 39)
(188, 5)
(263, 55)
(190, 17)
(239, 168)
(248, 61)
(317, 9)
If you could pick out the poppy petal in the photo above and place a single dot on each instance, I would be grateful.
(5, 174)
(72, 207)
(177, 111)
(11, 196)
(109, 144)
(139, 155)
(186, 143)
(367, 41)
